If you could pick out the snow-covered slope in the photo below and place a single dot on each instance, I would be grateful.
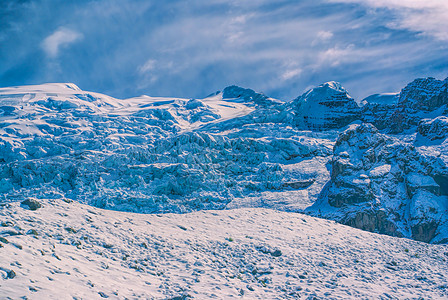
(73, 251)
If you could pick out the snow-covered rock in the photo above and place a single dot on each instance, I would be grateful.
(378, 108)
(434, 129)
(381, 184)
(327, 106)
(422, 98)
(247, 96)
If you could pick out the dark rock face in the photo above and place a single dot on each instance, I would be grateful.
(424, 231)
(421, 98)
(372, 220)
(424, 94)
(381, 184)
(325, 107)
(378, 114)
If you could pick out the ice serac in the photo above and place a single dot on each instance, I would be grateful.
(153, 154)
(422, 98)
(325, 107)
(381, 184)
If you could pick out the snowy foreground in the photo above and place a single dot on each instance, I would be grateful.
(74, 251)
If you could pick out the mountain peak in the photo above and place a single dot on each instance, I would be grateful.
(334, 85)
(234, 91)
(327, 90)
(247, 96)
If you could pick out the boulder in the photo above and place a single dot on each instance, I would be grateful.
(31, 204)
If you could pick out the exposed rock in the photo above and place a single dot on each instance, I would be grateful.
(373, 221)
(297, 185)
(381, 184)
(419, 99)
(424, 231)
(377, 109)
(31, 204)
(424, 94)
(247, 95)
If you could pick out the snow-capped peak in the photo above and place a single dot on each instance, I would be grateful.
(331, 90)
(334, 86)
(61, 88)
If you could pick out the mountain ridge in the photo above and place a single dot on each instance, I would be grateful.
(233, 148)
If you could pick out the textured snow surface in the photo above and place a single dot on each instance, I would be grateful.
(73, 251)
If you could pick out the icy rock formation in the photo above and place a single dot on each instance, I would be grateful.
(381, 184)
(327, 106)
(422, 98)
(232, 149)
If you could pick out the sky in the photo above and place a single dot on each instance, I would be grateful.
(127, 48)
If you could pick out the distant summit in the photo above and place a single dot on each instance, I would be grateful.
(327, 106)
(247, 95)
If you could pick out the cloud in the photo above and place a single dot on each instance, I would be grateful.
(178, 48)
(324, 35)
(290, 74)
(149, 65)
(429, 17)
(60, 38)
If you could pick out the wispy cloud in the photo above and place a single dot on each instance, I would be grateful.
(179, 48)
(429, 17)
(60, 38)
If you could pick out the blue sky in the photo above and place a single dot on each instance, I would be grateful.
(126, 48)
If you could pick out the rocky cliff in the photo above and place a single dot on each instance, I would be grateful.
(381, 184)
(422, 98)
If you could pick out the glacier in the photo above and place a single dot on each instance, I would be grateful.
(379, 165)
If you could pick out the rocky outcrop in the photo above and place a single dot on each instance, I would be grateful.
(325, 107)
(381, 184)
(422, 98)
(377, 109)
(248, 96)
(424, 94)
(434, 129)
